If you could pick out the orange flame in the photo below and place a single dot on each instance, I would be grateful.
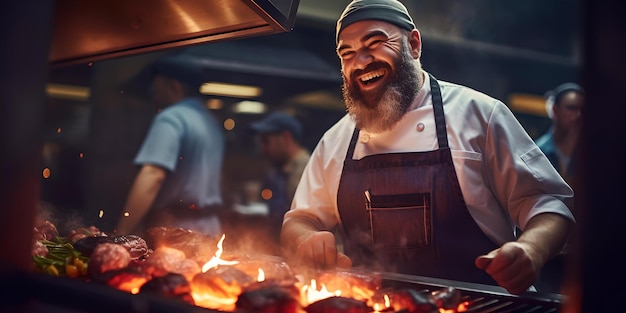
(379, 307)
(310, 294)
(216, 261)
(463, 306)
(261, 276)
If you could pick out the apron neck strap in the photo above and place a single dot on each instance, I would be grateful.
(440, 119)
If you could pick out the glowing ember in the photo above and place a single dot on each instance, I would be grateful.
(380, 307)
(215, 261)
(211, 301)
(128, 281)
(463, 306)
(219, 287)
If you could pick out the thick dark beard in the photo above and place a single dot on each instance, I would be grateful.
(381, 111)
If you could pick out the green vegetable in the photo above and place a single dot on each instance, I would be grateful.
(61, 256)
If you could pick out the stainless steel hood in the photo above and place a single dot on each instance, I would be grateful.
(86, 31)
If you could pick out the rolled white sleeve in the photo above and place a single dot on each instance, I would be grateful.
(523, 179)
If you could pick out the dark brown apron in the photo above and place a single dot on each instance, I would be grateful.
(405, 213)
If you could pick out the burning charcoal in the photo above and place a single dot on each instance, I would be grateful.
(352, 283)
(268, 299)
(188, 268)
(446, 298)
(128, 279)
(135, 245)
(196, 246)
(107, 257)
(171, 285)
(338, 305)
(411, 301)
(222, 281)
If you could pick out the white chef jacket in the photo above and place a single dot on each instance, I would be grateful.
(504, 176)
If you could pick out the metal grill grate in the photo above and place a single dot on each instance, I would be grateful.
(481, 298)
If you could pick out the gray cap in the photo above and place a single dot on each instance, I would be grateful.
(390, 11)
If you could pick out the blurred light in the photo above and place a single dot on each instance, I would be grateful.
(253, 107)
(59, 130)
(529, 104)
(46, 173)
(126, 214)
(230, 90)
(68, 92)
(81, 155)
(101, 214)
(214, 104)
(266, 194)
(229, 124)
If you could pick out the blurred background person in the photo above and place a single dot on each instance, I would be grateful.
(564, 106)
(180, 159)
(279, 137)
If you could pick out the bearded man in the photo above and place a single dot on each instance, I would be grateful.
(422, 176)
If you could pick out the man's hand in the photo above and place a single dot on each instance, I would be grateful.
(514, 266)
(320, 250)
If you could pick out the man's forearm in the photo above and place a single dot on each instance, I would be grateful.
(137, 207)
(141, 197)
(547, 233)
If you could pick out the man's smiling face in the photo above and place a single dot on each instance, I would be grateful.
(380, 72)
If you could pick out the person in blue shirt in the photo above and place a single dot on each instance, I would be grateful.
(180, 161)
(564, 105)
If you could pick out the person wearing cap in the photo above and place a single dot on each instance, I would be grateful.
(179, 161)
(280, 141)
(422, 176)
(564, 105)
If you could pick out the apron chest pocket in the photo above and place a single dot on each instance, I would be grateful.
(400, 221)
